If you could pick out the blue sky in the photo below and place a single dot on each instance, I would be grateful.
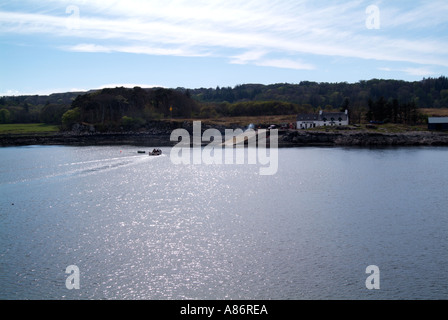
(59, 46)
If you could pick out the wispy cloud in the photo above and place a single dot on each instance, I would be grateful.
(265, 33)
(286, 64)
(420, 15)
(260, 58)
(88, 47)
(45, 92)
(419, 71)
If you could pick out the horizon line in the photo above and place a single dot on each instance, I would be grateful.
(11, 93)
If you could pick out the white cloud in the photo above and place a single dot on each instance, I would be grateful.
(424, 14)
(421, 72)
(88, 47)
(413, 71)
(248, 57)
(296, 29)
(41, 92)
(285, 64)
(46, 92)
(10, 92)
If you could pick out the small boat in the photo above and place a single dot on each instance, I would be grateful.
(155, 152)
(141, 151)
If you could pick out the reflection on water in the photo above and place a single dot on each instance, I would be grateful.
(139, 227)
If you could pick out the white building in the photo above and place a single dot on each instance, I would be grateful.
(305, 121)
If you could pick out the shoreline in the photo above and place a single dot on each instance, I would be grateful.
(293, 138)
(75, 139)
(362, 138)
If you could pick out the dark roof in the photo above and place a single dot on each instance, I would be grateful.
(320, 117)
(334, 115)
(305, 117)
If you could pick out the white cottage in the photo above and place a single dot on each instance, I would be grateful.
(305, 121)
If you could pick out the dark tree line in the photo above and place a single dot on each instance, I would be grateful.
(36, 108)
(427, 93)
(378, 100)
(392, 110)
(249, 108)
(110, 109)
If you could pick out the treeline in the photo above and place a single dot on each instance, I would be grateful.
(108, 109)
(427, 93)
(36, 108)
(249, 108)
(130, 108)
(382, 110)
(123, 108)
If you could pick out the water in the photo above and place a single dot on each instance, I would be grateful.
(140, 227)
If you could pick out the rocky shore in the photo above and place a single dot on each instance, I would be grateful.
(364, 138)
(357, 138)
(140, 139)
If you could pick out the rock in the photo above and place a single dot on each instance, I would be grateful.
(364, 138)
(83, 128)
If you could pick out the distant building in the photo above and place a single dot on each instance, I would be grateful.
(305, 121)
(438, 123)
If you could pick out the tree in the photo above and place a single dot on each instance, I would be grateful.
(5, 116)
(444, 98)
(395, 109)
(208, 111)
(345, 105)
(369, 114)
(129, 123)
(71, 117)
(52, 113)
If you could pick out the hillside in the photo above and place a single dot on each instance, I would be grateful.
(428, 93)
(127, 109)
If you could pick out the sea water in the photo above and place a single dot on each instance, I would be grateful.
(140, 227)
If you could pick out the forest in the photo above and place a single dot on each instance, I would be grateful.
(131, 108)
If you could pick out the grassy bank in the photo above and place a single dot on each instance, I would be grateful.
(380, 128)
(267, 120)
(241, 121)
(439, 112)
(27, 128)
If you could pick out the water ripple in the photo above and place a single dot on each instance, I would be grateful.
(139, 227)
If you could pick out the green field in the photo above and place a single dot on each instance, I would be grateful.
(24, 128)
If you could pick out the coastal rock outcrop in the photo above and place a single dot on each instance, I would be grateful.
(364, 138)
(161, 137)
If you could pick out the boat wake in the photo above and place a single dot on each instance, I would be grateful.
(80, 169)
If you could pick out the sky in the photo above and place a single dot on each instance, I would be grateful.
(76, 45)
